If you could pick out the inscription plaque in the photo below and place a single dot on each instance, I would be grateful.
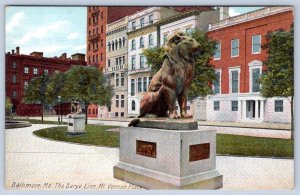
(199, 152)
(145, 148)
(70, 124)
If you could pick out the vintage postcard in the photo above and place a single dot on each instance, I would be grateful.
(149, 97)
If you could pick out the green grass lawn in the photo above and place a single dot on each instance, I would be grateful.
(36, 121)
(226, 144)
(95, 135)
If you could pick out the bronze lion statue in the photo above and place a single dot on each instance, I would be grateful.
(171, 82)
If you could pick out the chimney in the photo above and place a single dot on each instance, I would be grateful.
(78, 56)
(37, 54)
(18, 50)
(63, 56)
(13, 51)
(224, 13)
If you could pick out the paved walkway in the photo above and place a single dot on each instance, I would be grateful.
(35, 163)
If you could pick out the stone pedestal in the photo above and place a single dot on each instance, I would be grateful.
(155, 158)
(76, 124)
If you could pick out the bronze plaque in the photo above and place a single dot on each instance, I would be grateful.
(145, 148)
(199, 152)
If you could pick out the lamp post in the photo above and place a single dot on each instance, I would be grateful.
(59, 111)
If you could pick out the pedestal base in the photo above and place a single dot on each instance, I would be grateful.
(150, 179)
(168, 159)
(76, 124)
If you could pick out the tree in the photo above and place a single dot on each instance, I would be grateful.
(55, 88)
(86, 84)
(278, 78)
(204, 72)
(35, 93)
(8, 106)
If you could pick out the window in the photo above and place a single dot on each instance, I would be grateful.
(112, 45)
(217, 54)
(142, 44)
(216, 84)
(133, 63)
(133, 25)
(145, 84)
(120, 60)
(117, 79)
(35, 71)
(150, 40)
(109, 46)
(101, 15)
(101, 42)
(26, 70)
(117, 61)
(120, 43)
(122, 114)
(117, 101)
(123, 41)
(150, 78)
(234, 74)
(122, 79)
(165, 39)
(89, 111)
(123, 59)
(46, 72)
(139, 85)
(278, 105)
(142, 61)
(151, 19)
(133, 45)
(108, 63)
(116, 44)
(26, 83)
(235, 48)
(102, 29)
(14, 94)
(122, 101)
(133, 105)
(117, 114)
(93, 111)
(216, 105)
(132, 87)
(234, 105)
(256, 44)
(14, 78)
(142, 22)
(255, 74)
(14, 65)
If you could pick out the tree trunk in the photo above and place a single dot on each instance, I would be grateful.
(42, 113)
(292, 118)
(85, 110)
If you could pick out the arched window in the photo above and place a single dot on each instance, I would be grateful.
(150, 40)
(120, 43)
(112, 45)
(133, 45)
(133, 105)
(116, 42)
(123, 41)
(142, 44)
(109, 46)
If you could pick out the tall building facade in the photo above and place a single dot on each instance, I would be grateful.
(116, 67)
(142, 33)
(20, 69)
(97, 19)
(238, 63)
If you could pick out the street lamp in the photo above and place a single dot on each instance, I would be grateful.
(59, 111)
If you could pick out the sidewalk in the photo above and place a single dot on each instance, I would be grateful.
(33, 160)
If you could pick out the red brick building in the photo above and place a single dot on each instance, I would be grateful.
(238, 62)
(20, 69)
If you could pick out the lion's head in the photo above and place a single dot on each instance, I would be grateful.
(183, 45)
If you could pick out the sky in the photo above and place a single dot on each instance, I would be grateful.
(54, 30)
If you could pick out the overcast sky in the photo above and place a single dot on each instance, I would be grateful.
(55, 30)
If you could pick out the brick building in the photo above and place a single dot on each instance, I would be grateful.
(238, 62)
(20, 69)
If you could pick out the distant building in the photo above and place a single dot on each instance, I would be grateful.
(116, 68)
(238, 63)
(20, 69)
